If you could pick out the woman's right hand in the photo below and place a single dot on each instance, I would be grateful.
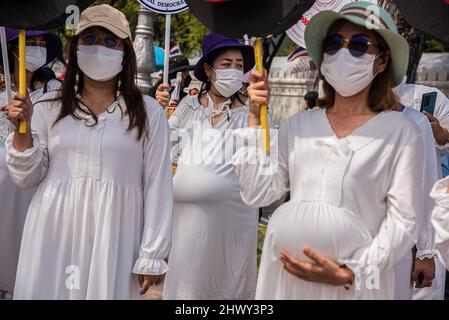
(163, 94)
(20, 109)
(258, 94)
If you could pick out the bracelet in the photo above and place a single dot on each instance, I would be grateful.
(351, 279)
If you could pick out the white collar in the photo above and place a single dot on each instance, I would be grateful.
(362, 136)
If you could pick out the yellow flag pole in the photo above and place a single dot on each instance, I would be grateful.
(22, 74)
(263, 108)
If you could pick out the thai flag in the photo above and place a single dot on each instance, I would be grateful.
(175, 50)
(296, 54)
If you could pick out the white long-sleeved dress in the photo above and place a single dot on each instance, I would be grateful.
(213, 255)
(13, 207)
(103, 207)
(354, 200)
(440, 219)
(13, 203)
(411, 95)
(425, 245)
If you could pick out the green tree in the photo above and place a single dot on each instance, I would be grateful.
(432, 45)
(186, 30)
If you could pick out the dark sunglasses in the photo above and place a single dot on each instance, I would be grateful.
(107, 41)
(358, 45)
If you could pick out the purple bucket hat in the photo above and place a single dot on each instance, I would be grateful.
(214, 41)
(54, 45)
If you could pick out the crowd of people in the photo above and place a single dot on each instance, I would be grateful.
(90, 208)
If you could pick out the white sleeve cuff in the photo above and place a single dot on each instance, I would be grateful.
(20, 154)
(150, 266)
(425, 254)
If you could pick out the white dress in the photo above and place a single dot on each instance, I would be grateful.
(411, 95)
(425, 245)
(440, 219)
(355, 200)
(13, 207)
(14, 204)
(213, 255)
(103, 207)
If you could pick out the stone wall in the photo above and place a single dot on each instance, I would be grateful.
(287, 92)
(433, 71)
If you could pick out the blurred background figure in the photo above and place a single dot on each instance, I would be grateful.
(435, 106)
(178, 64)
(310, 100)
(42, 81)
(41, 77)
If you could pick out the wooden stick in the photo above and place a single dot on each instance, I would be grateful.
(22, 75)
(263, 108)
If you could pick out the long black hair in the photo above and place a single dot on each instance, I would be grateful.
(135, 106)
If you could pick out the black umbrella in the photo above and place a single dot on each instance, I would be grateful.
(430, 16)
(256, 18)
(31, 14)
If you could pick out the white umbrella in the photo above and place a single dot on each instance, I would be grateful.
(5, 64)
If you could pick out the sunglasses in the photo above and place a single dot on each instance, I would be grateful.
(107, 41)
(358, 45)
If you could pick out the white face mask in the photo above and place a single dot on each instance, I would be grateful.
(347, 74)
(35, 57)
(98, 62)
(228, 81)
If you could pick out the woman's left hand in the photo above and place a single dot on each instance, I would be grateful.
(322, 270)
(427, 268)
(146, 281)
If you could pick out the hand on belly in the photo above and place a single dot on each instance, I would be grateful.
(332, 232)
(322, 269)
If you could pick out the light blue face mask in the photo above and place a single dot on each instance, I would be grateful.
(36, 57)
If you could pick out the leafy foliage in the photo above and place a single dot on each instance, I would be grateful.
(262, 231)
(432, 45)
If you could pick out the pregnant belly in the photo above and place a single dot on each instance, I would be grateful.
(333, 232)
(194, 183)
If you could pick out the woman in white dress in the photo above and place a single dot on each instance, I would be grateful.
(353, 168)
(440, 219)
(213, 255)
(41, 47)
(99, 224)
(426, 263)
(408, 271)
